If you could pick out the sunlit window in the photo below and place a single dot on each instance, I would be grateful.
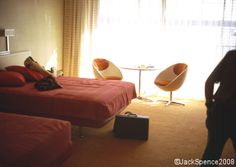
(161, 33)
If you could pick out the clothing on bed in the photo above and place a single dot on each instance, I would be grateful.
(47, 83)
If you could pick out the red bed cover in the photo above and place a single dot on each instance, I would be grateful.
(27, 141)
(82, 101)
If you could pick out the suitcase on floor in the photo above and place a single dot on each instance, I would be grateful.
(131, 126)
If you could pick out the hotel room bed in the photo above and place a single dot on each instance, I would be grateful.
(27, 141)
(82, 101)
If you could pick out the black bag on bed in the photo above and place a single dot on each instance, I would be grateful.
(131, 126)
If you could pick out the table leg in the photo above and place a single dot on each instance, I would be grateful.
(139, 88)
(139, 84)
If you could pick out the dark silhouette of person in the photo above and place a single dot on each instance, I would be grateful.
(221, 107)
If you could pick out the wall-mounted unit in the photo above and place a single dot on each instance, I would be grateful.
(7, 33)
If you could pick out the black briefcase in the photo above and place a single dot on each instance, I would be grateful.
(131, 126)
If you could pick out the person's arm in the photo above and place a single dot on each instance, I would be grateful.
(209, 88)
(214, 77)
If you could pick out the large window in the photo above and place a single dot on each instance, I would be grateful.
(163, 32)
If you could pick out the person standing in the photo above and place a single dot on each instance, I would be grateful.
(221, 107)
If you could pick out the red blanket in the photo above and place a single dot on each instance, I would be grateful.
(28, 141)
(82, 101)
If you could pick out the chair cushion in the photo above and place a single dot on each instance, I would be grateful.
(113, 78)
(101, 64)
(162, 82)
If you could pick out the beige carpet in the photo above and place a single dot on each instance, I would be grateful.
(174, 132)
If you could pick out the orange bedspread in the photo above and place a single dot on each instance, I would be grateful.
(82, 101)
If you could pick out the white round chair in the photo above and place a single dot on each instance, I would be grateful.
(172, 79)
(105, 69)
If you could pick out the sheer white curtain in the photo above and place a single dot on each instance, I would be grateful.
(199, 33)
(163, 32)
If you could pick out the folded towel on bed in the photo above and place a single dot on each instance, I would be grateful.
(34, 65)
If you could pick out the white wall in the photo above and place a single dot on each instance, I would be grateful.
(38, 27)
